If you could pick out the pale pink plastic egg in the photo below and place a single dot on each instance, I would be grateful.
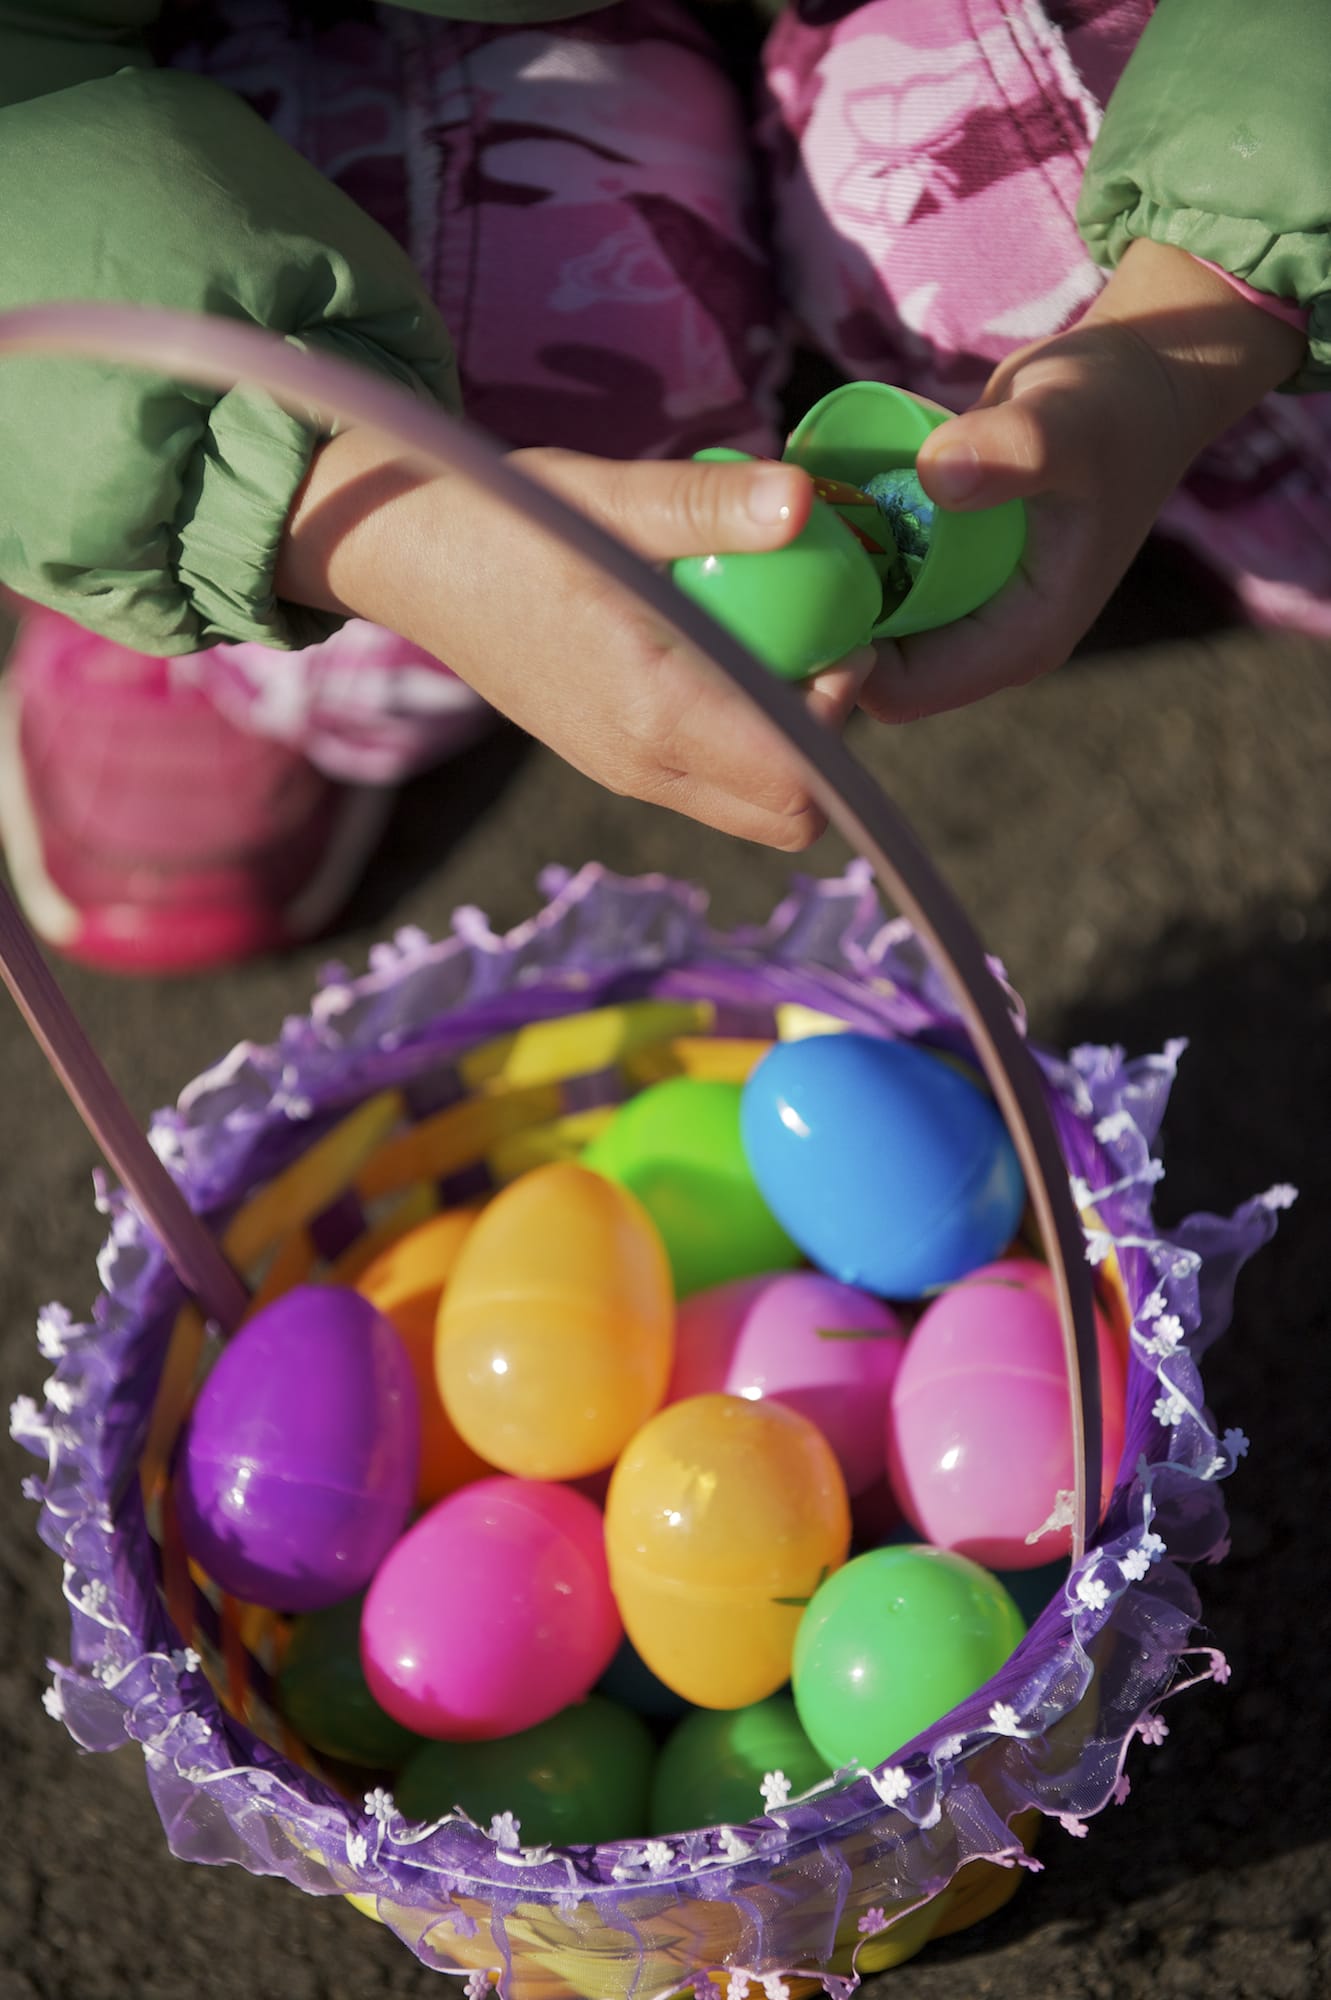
(822, 1348)
(979, 1432)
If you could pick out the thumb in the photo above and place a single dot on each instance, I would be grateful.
(722, 504)
(1005, 451)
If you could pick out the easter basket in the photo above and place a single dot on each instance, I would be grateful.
(447, 1070)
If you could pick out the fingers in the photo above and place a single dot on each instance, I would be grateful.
(682, 507)
(723, 739)
(1060, 418)
(701, 748)
(831, 695)
(720, 762)
(936, 671)
(620, 694)
(789, 832)
(1027, 631)
(1078, 431)
(1008, 451)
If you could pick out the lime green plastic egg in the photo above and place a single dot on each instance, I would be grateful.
(677, 1147)
(892, 1642)
(798, 608)
(324, 1695)
(711, 1769)
(581, 1777)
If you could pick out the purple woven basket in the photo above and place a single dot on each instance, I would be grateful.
(847, 1879)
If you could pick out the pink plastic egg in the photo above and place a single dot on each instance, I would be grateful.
(493, 1612)
(819, 1347)
(979, 1431)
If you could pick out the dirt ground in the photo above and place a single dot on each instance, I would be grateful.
(1146, 839)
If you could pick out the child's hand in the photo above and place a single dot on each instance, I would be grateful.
(550, 641)
(1093, 429)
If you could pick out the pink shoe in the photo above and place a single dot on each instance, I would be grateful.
(146, 833)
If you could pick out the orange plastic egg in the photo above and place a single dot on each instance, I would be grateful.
(406, 1281)
(556, 1333)
(722, 1519)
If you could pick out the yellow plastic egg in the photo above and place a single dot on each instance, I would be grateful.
(722, 1519)
(406, 1281)
(556, 1332)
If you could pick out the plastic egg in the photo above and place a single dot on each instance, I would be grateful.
(890, 1168)
(798, 608)
(711, 1769)
(723, 1516)
(492, 1613)
(891, 1643)
(324, 1695)
(298, 1462)
(579, 1778)
(677, 1146)
(821, 1348)
(979, 1433)
(557, 1329)
(406, 1282)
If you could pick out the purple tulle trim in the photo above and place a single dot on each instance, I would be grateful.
(1052, 1731)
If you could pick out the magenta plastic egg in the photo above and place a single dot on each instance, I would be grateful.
(493, 1612)
(819, 1347)
(979, 1432)
(298, 1464)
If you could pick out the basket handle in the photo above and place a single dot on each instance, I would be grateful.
(219, 353)
(193, 1250)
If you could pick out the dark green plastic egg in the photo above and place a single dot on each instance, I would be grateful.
(581, 1777)
(324, 1695)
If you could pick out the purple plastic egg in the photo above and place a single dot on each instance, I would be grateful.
(822, 1348)
(298, 1464)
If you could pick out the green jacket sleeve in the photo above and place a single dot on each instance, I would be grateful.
(46, 47)
(148, 509)
(1218, 140)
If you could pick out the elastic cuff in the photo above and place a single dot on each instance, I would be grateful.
(238, 494)
(1287, 310)
(1274, 270)
(235, 500)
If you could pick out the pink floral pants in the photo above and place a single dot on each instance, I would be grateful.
(623, 255)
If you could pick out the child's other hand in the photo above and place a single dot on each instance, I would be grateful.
(551, 642)
(1093, 429)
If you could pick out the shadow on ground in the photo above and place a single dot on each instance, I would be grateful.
(1161, 1896)
(430, 818)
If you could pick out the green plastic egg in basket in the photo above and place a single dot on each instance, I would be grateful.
(440, 1078)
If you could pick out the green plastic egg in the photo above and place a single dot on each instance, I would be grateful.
(324, 1696)
(579, 1778)
(677, 1147)
(798, 608)
(864, 429)
(711, 1769)
(893, 1641)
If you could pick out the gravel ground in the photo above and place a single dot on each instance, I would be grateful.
(1146, 840)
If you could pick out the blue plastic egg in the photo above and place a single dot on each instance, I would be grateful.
(888, 1167)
